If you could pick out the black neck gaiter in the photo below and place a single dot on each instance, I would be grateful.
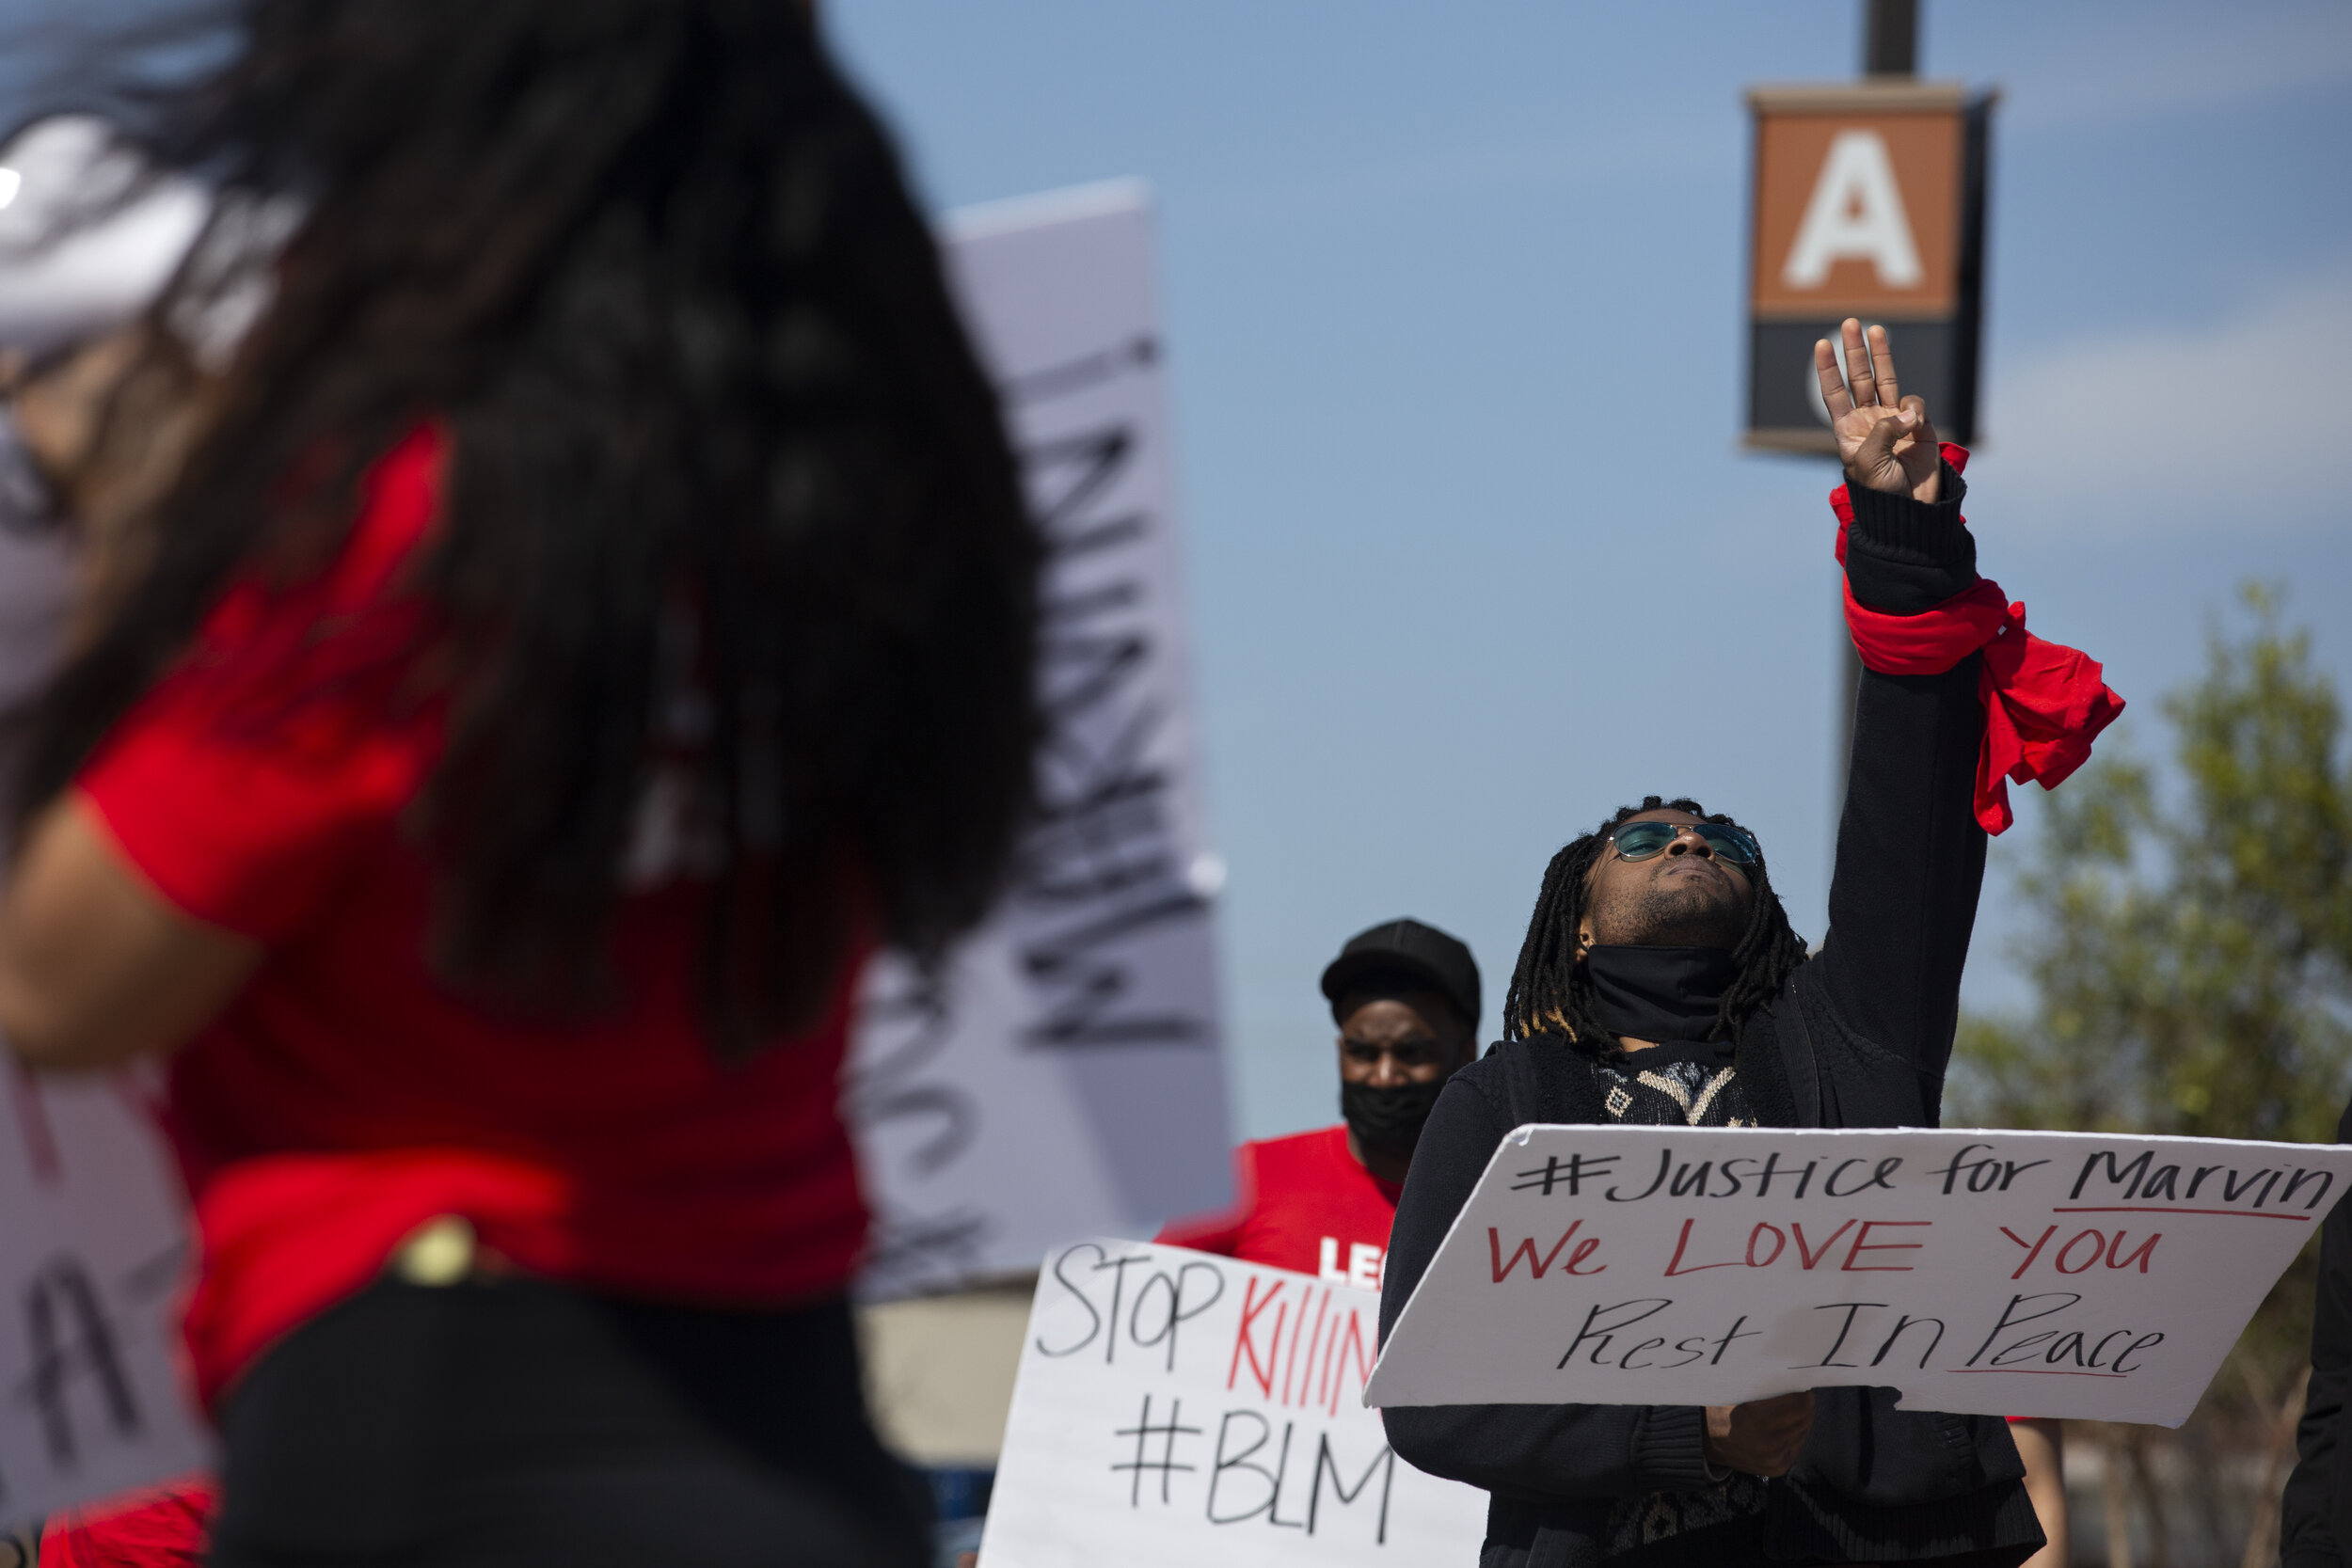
(1387, 1120)
(1660, 994)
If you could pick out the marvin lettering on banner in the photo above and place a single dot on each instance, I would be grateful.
(2069, 1275)
(1869, 201)
(1061, 1075)
(1175, 1408)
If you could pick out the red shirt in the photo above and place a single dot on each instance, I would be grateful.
(158, 1527)
(346, 1096)
(1302, 1203)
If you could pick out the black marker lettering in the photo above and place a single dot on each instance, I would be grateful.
(1847, 1327)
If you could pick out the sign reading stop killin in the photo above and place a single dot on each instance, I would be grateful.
(1869, 201)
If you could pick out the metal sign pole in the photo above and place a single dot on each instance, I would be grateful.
(1890, 48)
(1869, 200)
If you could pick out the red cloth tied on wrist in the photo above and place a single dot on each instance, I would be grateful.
(2043, 702)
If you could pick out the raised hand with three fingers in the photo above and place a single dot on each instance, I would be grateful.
(1883, 438)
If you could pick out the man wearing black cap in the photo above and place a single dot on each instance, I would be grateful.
(1405, 998)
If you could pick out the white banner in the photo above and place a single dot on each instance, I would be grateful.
(90, 1213)
(2018, 1273)
(1063, 1077)
(91, 1236)
(1175, 1408)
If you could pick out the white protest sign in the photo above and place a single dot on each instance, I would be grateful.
(92, 1246)
(91, 1216)
(2019, 1273)
(1063, 1076)
(1175, 1408)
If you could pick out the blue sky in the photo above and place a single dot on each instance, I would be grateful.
(1454, 338)
(1453, 319)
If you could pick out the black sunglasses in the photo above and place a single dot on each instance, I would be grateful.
(1638, 841)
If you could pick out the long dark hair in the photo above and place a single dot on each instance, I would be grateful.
(654, 268)
(1550, 993)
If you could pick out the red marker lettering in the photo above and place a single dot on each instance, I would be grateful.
(1250, 1309)
(1535, 1267)
(2033, 1249)
(1683, 1241)
(1808, 1253)
(1863, 1243)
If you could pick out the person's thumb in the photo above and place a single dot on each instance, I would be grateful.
(1875, 454)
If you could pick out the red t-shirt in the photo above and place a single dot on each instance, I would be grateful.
(1302, 1203)
(346, 1096)
(161, 1527)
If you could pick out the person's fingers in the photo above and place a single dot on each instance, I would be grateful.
(1883, 365)
(1774, 1422)
(1780, 1403)
(1921, 430)
(1834, 394)
(1877, 448)
(1858, 364)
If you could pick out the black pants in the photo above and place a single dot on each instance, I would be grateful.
(518, 1423)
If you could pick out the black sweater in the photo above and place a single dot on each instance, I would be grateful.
(2316, 1512)
(1881, 1001)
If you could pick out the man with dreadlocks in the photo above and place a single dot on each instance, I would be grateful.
(1659, 983)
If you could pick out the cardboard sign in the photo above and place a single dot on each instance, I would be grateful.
(2018, 1273)
(1063, 1075)
(95, 1248)
(1175, 1408)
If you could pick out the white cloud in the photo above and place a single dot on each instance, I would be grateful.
(2231, 427)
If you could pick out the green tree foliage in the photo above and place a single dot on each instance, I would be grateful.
(2189, 941)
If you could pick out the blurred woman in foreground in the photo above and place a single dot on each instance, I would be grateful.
(595, 608)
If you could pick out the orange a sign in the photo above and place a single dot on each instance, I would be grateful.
(1868, 202)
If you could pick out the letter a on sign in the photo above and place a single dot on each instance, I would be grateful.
(1856, 213)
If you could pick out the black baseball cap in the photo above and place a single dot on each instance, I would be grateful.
(1407, 950)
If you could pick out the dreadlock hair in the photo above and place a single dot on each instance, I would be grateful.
(653, 269)
(1551, 993)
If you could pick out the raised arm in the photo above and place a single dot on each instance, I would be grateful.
(95, 966)
(1910, 852)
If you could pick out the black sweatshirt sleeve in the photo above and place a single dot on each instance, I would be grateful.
(1904, 556)
(1903, 898)
(2316, 1512)
(1522, 1451)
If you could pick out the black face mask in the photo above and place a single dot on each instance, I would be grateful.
(1660, 994)
(1387, 1120)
